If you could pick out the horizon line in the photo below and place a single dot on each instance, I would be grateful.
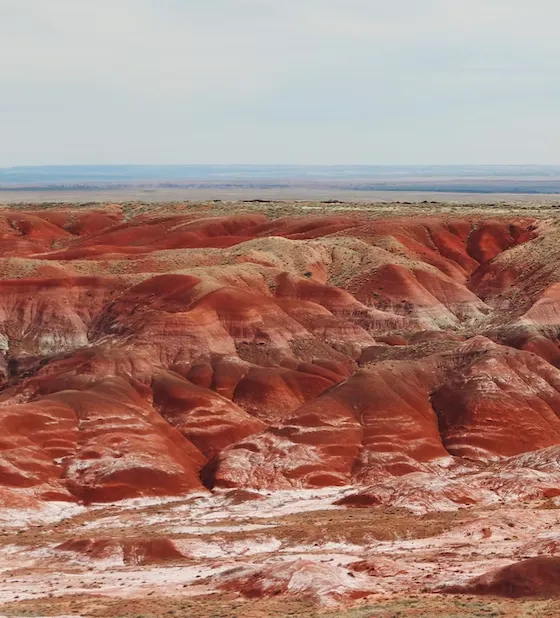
(43, 165)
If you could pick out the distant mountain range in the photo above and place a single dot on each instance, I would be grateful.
(455, 178)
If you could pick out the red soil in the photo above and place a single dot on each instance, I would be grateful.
(145, 356)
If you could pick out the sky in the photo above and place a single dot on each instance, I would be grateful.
(283, 81)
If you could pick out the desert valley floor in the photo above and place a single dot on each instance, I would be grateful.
(259, 409)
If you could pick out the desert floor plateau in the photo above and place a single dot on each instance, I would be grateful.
(263, 409)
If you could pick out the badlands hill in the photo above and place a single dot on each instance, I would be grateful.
(411, 361)
(159, 353)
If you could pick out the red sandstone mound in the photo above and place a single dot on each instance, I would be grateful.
(379, 567)
(145, 355)
(536, 577)
(132, 551)
(268, 393)
(479, 402)
(102, 443)
(208, 420)
(49, 315)
(324, 584)
(124, 447)
(25, 233)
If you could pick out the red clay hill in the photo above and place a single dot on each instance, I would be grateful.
(174, 350)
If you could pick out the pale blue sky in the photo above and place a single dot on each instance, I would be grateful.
(279, 81)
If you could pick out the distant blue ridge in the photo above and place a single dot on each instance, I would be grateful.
(438, 178)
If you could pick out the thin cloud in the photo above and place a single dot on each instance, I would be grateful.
(312, 81)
